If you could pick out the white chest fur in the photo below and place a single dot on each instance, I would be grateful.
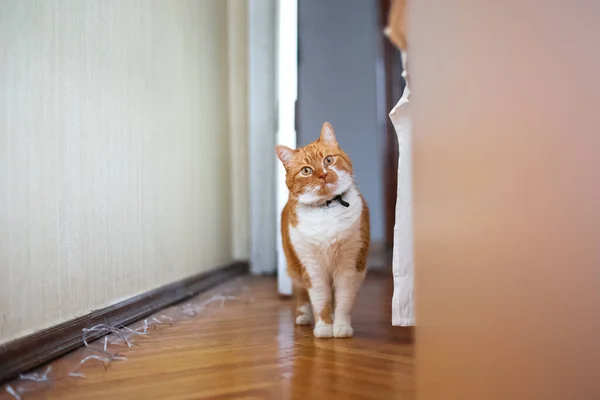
(327, 236)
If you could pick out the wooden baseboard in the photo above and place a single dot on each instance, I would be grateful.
(41, 347)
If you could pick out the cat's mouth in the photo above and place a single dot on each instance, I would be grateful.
(326, 189)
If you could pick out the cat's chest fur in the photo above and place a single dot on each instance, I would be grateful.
(323, 231)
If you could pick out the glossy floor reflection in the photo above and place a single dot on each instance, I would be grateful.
(250, 349)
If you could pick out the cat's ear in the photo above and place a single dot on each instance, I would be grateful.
(285, 154)
(327, 135)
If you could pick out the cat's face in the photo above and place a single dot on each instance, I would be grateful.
(319, 171)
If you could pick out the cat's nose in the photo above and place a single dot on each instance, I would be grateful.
(323, 175)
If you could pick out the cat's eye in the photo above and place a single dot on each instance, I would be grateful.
(306, 171)
(328, 160)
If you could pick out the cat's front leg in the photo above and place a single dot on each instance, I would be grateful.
(304, 312)
(320, 298)
(346, 285)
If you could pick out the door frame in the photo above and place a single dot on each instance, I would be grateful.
(287, 95)
(262, 117)
(390, 88)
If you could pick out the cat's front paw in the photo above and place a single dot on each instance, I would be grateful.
(323, 331)
(343, 331)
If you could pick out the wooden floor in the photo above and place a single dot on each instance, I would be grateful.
(247, 348)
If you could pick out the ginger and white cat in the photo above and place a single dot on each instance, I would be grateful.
(325, 230)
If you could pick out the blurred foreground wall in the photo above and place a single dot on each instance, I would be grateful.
(507, 194)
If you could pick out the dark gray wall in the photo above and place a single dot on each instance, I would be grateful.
(338, 42)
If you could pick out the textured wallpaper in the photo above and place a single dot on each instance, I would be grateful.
(114, 153)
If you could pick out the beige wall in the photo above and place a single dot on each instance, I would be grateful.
(115, 153)
(237, 35)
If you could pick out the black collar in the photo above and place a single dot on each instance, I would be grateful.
(339, 199)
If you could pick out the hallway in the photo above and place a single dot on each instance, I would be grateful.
(244, 346)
